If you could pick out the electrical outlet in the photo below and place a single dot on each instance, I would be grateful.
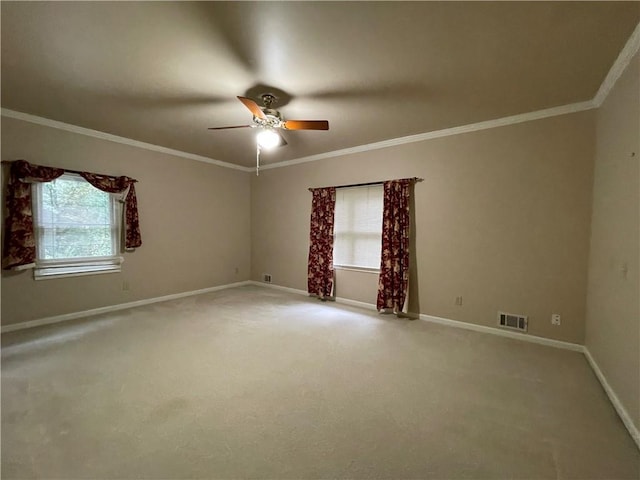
(266, 277)
(555, 319)
(459, 300)
(237, 270)
(125, 285)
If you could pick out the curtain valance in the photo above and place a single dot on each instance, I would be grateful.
(20, 247)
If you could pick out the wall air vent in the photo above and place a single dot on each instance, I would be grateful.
(512, 321)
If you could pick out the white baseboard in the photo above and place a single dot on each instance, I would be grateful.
(444, 321)
(503, 333)
(626, 419)
(622, 412)
(344, 301)
(277, 287)
(112, 308)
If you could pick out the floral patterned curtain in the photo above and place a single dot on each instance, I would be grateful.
(320, 268)
(394, 266)
(132, 237)
(20, 248)
(19, 241)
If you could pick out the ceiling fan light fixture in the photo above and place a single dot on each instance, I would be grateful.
(267, 139)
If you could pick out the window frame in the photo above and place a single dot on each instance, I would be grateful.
(359, 268)
(78, 266)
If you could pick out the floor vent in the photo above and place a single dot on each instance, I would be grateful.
(513, 322)
(266, 277)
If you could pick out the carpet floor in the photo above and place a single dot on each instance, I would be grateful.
(256, 383)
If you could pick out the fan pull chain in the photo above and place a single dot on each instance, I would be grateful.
(258, 161)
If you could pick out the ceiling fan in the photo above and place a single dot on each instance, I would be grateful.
(268, 120)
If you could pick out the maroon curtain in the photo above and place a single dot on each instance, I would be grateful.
(394, 265)
(320, 269)
(20, 245)
(132, 237)
(19, 241)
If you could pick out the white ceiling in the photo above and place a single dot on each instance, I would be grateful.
(162, 72)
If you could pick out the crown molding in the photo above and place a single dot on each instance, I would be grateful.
(618, 67)
(420, 137)
(622, 61)
(473, 127)
(626, 54)
(5, 112)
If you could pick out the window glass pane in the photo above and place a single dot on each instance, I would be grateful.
(74, 220)
(358, 226)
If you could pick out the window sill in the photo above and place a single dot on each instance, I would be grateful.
(351, 268)
(51, 273)
(47, 269)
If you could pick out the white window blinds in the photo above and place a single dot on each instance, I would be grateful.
(358, 227)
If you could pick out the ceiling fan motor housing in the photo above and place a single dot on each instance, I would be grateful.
(269, 112)
(274, 117)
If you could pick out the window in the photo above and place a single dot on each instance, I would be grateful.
(358, 227)
(77, 228)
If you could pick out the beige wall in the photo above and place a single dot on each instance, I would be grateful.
(613, 299)
(502, 219)
(194, 219)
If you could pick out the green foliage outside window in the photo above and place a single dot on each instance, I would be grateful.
(75, 220)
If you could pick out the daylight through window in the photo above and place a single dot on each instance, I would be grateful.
(76, 228)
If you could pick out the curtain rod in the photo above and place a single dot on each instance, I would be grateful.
(8, 162)
(353, 185)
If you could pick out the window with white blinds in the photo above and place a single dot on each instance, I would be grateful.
(358, 227)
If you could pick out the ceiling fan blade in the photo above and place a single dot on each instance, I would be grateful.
(225, 128)
(253, 107)
(306, 125)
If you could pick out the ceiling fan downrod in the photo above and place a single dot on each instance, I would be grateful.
(268, 99)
